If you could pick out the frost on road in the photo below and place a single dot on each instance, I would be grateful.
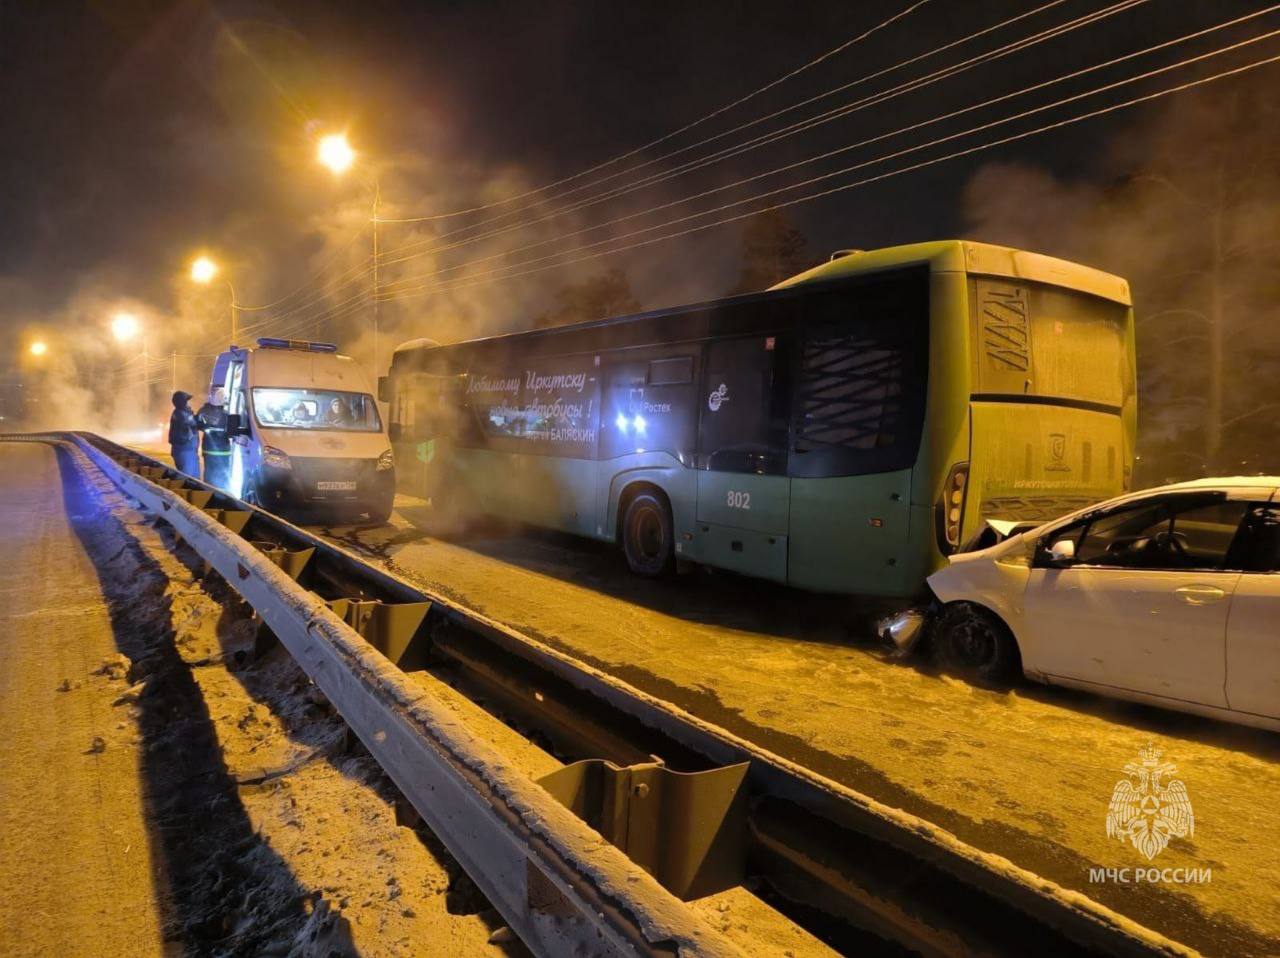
(1026, 773)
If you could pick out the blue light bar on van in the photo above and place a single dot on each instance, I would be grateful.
(267, 342)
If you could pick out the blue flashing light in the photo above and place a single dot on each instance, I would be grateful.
(270, 342)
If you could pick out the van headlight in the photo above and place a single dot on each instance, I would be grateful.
(275, 458)
(386, 461)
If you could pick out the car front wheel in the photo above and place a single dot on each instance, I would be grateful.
(974, 643)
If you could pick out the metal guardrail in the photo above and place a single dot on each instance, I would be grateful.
(899, 877)
(557, 884)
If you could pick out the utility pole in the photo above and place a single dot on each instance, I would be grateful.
(173, 358)
(377, 195)
(146, 387)
(233, 312)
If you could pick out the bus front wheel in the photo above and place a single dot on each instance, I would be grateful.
(648, 535)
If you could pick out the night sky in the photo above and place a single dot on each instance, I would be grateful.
(139, 132)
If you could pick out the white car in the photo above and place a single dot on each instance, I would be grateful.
(1170, 596)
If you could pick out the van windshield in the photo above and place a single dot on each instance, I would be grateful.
(320, 409)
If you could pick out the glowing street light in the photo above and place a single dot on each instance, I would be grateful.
(125, 326)
(335, 152)
(38, 348)
(203, 270)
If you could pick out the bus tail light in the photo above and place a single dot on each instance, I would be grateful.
(949, 512)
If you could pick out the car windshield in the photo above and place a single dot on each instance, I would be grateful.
(320, 409)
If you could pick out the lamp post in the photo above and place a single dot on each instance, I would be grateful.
(204, 271)
(334, 151)
(125, 328)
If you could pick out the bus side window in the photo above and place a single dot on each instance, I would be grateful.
(738, 408)
(859, 404)
(649, 405)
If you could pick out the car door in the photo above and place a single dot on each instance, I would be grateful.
(1143, 605)
(1253, 641)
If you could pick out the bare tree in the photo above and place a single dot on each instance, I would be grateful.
(772, 250)
(606, 294)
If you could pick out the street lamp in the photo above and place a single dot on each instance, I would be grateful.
(334, 151)
(124, 327)
(38, 348)
(204, 271)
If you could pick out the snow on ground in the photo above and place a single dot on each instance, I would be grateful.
(162, 791)
(1026, 773)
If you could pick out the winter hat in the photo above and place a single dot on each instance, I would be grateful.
(180, 399)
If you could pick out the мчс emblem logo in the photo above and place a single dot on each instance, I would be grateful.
(719, 396)
(1144, 811)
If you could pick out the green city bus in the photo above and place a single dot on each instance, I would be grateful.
(841, 432)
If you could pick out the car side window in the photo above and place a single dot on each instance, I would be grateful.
(1257, 549)
(1201, 536)
(1121, 538)
(1187, 531)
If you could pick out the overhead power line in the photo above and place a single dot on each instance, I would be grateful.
(317, 310)
(415, 249)
(392, 288)
(329, 261)
(968, 151)
(674, 133)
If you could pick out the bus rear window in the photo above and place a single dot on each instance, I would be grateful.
(323, 409)
(1037, 340)
(863, 367)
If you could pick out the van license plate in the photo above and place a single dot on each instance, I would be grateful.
(335, 486)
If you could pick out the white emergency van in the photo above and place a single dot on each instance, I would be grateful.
(307, 435)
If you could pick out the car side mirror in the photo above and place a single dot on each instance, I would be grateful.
(384, 389)
(1062, 552)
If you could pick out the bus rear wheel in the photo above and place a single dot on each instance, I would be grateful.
(648, 535)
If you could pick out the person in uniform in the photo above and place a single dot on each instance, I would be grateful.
(211, 420)
(184, 436)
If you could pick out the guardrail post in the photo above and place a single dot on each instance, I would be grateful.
(686, 829)
(233, 519)
(197, 497)
(390, 627)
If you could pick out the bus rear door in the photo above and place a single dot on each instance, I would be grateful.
(744, 494)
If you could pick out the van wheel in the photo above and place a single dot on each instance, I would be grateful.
(975, 644)
(648, 535)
